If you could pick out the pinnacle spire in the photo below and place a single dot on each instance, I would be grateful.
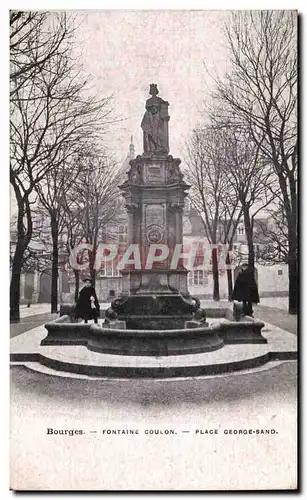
(131, 148)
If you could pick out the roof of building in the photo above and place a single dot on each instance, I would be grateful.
(130, 156)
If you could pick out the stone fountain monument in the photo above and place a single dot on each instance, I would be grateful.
(156, 296)
(154, 319)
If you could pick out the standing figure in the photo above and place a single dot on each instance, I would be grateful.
(87, 306)
(245, 290)
(155, 123)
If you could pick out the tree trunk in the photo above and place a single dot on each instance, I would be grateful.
(77, 283)
(92, 260)
(23, 240)
(15, 283)
(215, 275)
(93, 277)
(55, 263)
(292, 271)
(229, 276)
(292, 253)
(249, 237)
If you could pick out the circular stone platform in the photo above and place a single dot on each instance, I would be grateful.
(121, 341)
(79, 360)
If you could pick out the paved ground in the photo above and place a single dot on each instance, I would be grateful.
(30, 322)
(185, 460)
(274, 310)
(31, 317)
(264, 399)
(34, 309)
(276, 302)
(277, 317)
(265, 311)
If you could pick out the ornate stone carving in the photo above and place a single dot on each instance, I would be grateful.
(131, 207)
(154, 234)
(154, 196)
(153, 174)
(135, 172)
(174, 206)
(154, 213)
(174, 173)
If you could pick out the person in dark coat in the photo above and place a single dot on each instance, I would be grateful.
(245, 290)
(87, 306)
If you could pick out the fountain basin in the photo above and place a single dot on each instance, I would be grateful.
(152, 342)
(132, 342)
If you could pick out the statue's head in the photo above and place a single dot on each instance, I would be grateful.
(153, 89)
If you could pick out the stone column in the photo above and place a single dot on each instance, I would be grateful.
(131, 210)
(36, 286)
(22, 286)
(179, 236)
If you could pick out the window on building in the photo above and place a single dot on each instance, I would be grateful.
(122, 233)
(198, 277)
(241, 230)
(109, 269)
(38, 223)
(279, 272)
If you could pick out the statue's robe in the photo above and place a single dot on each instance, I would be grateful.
(153, 125)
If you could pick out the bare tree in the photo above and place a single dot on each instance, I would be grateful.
(37, 255)
(273, 236)
(230, 216)
(52, 115)
(52, 191)
(261, 89)
(211, 193)
(72, 235)
(250, 177)
(35, 39)
(91, 203)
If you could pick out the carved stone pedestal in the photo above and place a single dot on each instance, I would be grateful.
(155, 312)
(154, 290)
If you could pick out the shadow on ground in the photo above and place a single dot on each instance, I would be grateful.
(277, 383)
(276, 317)
(30, 322)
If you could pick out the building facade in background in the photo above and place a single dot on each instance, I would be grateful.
(272, 278)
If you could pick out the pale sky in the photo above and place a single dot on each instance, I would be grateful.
(125, 51)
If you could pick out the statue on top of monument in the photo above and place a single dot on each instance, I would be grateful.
(155, 123)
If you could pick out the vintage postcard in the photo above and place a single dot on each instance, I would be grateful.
(153, 250)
